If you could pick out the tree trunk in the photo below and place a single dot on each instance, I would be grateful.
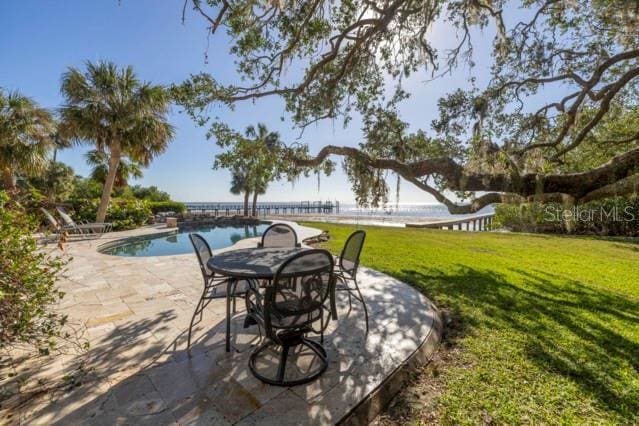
(246, 202)
(254, 204)
(7, 180)
(51, 189)
(114, 162)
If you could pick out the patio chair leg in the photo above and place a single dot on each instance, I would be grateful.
(350, 305)
(204, 293)
(202, 306)
(259, 330)
(318, 349)
(278, 380)
(322, 328)
(282, 367)
(361, 298)
(188, 342)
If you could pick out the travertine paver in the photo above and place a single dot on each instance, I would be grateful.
(135, 313)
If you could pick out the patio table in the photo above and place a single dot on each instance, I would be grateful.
(253, 264)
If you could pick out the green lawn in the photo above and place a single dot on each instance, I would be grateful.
(546, 328)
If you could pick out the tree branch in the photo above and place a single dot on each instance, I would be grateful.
(576, 185)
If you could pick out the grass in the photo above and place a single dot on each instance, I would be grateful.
(545, 329)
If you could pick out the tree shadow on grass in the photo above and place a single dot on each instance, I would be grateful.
(581, 333)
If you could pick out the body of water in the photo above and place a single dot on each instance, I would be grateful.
(416, 210)
(403, 210)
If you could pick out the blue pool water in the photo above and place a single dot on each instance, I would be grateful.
(179, 243)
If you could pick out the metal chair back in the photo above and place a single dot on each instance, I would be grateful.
(279, 235)
(203, 254)
(300, 287)
(349, 258)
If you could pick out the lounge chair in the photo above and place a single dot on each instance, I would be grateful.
(86, 229)
(57, 230)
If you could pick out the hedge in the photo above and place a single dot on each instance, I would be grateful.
(124, 213)
(616, 216)
(167, 206)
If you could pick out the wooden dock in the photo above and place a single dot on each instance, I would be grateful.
(475, 223)
(263, 209)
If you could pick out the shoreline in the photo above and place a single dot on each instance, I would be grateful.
(391, 221)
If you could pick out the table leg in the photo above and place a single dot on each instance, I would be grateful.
(229, 289)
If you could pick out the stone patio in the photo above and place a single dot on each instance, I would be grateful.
(135, 313)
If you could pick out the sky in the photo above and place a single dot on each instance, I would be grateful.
(40, 39)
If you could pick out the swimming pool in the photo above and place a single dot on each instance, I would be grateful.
(179, 243)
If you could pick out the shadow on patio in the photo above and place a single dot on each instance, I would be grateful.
(139, 377)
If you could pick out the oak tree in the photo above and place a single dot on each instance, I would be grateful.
(561, 71)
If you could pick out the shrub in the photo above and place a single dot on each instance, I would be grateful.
(27, 282)
(125, 213)
(57, 182)
(86, 189)
(167, 206)
(526, 217)
(615, 216)
(128, 213)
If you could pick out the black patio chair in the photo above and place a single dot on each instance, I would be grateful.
(279, 235)
(286, 312)
(215, 287)
(346, 269)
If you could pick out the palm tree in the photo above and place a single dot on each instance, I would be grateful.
(267, 141)
(56, 170)
(99, 162)
(258, 190)
(25, 140)
(263, 136)
(110, 108)
(240, 185)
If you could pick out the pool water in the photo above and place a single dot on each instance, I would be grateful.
(179, 243)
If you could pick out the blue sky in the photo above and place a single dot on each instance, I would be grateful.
(40, 39)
